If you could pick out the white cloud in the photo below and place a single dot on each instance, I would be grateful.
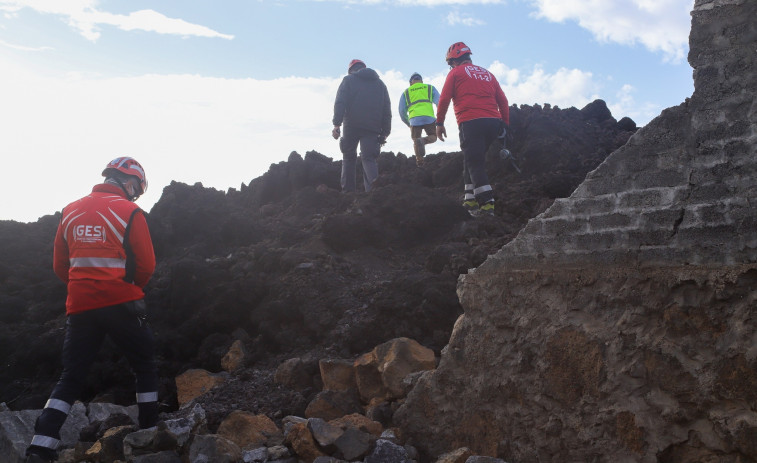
(180, 127)
(23, 48)
(454, 18)
(84, 16)
(659, 25)
(152, 21)
(569, 87)
(626, 105)
(563, 88)
(66, 8)
(187, 128)
(65, 128)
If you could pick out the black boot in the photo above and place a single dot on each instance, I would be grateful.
(35, 454)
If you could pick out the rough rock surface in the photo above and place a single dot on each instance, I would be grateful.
(618, 325)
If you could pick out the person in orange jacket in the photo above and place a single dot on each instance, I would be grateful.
(483, 115)
(104, 254)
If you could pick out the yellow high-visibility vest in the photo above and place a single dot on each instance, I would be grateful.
(419, 99)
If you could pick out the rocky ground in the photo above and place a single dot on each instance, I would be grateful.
(293, 268)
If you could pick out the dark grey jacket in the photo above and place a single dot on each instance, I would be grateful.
(362, 102)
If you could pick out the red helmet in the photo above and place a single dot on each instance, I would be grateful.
(456, 50)
(128, 166)
(354, 62)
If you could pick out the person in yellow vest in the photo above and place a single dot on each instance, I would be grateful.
(417, 112)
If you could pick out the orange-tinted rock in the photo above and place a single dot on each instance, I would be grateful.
(400, 357)
(303, 443)
(193, 383)
(248, 430)
(368, 379)
(234, 358)
(337, 374)
(358, 421)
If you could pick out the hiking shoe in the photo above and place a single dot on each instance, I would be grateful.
(420, 150)
(487, 208)
(37, 454)
(470, 205)
(34, 458)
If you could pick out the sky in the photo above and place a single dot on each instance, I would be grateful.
(216, 91)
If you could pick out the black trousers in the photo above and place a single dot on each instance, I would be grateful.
(85, 333)
(475, 138)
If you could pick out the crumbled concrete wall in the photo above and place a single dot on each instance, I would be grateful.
(618, 325)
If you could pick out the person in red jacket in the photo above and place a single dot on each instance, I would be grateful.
(104, 254)
(483, 115)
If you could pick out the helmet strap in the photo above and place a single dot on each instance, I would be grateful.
(114, 181)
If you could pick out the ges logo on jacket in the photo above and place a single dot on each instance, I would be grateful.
(89, 233)
(479, 73)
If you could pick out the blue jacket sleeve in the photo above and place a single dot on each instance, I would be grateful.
(403, 109)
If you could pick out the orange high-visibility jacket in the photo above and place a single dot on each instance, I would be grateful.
(101, 265)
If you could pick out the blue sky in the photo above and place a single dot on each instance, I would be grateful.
(217, 91)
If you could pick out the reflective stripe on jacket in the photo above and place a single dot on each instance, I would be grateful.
(91, 254)
(419, 99)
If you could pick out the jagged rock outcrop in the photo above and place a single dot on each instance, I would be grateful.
(618, 325)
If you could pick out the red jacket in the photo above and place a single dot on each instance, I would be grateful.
(90, 253)
(475, 93)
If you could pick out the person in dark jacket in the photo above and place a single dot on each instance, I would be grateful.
(362, 105)
(104, 254)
